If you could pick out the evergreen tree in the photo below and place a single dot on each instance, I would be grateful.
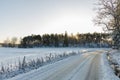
(65, 40)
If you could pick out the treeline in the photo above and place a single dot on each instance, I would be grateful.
(64, 40)
(10, 42)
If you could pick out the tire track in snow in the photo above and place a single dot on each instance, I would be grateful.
(64, 72)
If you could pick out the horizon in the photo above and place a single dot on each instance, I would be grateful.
(21, 18)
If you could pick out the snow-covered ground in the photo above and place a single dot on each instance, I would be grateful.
(74, 68)
(106, 71)
(12, 55)
(115, 54)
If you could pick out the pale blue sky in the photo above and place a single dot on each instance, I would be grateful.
(19, 18)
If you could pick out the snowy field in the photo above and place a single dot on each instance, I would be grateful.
(13, 55)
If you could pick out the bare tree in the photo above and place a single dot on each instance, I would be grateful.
(13, 41)
(108, 16)
(6, 42)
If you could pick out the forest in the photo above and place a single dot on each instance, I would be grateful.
(90, 40)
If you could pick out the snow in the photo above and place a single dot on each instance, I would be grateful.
(115, 55)
(106, 70)
(12, 55)
(15, 55)
(46, 72)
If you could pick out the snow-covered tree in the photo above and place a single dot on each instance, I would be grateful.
(109, 17)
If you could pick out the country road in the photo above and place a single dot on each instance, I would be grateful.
(79, 67)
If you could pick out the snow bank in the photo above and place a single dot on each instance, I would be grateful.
(115, 55)
(106, 71)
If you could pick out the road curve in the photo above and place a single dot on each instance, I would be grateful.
(79, 67)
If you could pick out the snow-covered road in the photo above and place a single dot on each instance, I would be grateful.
(79, 67)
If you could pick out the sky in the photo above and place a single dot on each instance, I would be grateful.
(19, 18)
